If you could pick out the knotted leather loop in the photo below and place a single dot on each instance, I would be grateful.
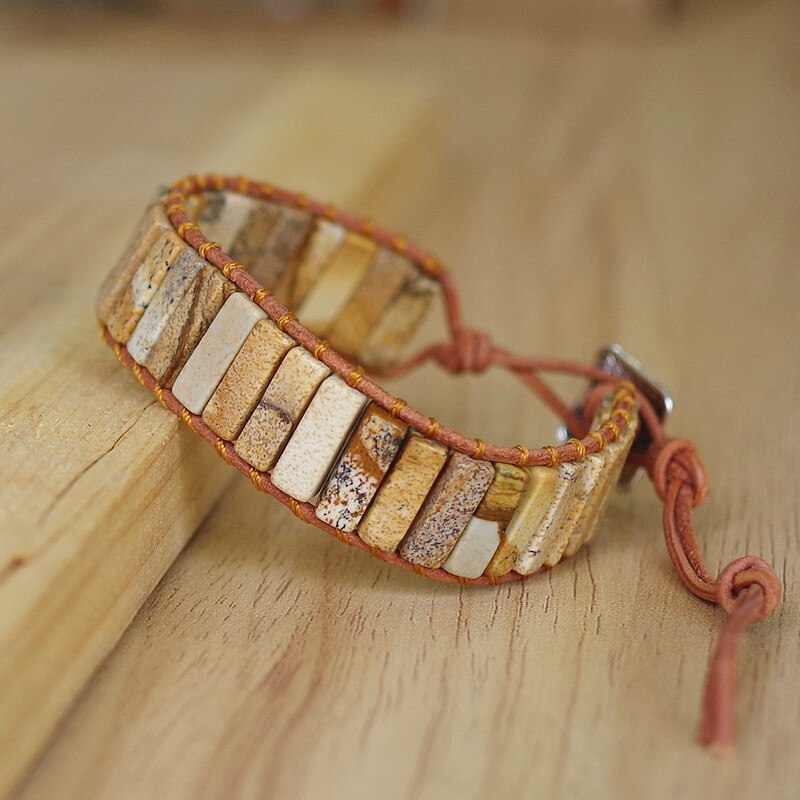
(676, 459)
(467, 351)
(747, 589)
(743, 574)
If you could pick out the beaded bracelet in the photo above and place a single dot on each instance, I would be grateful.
(263, 339)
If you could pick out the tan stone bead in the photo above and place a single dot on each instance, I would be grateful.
(317, 439)
(166, 299)
(244, 383)
(324, 242)
(388, 338)
(387, 274)
(556, 542)
(126, 313)
(537, 549)
(504, 493)
(286, 398)
(209, 361)
(402, 492)
(188, 324)
(153, 223)
(447, 510)
(530, 512)
(223, 214)
(276, 264)
(616, 454)
(252, 237)
(367, 457)
(327, 298)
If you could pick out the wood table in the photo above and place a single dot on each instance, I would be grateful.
(641, 187)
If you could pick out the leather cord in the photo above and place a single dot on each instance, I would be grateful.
(747, 589)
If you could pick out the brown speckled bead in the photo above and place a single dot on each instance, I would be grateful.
(367, 457)
(449, 507)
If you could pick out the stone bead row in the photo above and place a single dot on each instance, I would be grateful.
(187, 325)
(184, 191)
(398, 490)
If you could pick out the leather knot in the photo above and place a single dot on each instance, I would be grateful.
(743, 573)
(676, 459)
(468, 351)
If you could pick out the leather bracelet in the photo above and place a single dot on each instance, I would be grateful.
(228, 334)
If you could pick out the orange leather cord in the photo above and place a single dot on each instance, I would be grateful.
(747, 589)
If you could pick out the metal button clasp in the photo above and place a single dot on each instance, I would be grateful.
(619, 363)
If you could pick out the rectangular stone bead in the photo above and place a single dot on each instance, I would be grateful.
(318, 438)
(535, 531)
(387, 339)
(474, 549)
(367, 457)
(251, 238)
(556, 542)
(275, 265)
(615, 454)
(402, 493)
(138, 294)
(447, 510)
(530, 511)
(244, 383)
(214, 353)
(166, 299)
(223, 214)
(504, 493)
(338, 282)
(601, 416)
(481, 538)
(388, 272)
(187, 324)
(283, 403)
(153, 223)
(324, 242)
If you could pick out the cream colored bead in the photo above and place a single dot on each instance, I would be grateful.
(216, 350)
(317, 439)
(474, 549)
(325, 241)
(327, 298)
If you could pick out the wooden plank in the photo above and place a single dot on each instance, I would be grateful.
(101, 487)
(588, 191)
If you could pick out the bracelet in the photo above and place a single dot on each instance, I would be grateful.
(260, 317)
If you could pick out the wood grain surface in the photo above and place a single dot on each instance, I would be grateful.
(100, 488)
(644, 190)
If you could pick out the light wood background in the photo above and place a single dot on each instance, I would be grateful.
(641, 188)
